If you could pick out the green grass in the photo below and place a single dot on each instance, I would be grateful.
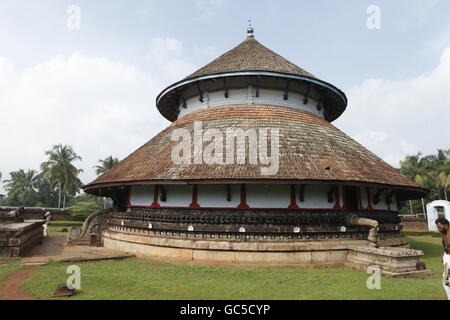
(145, 279)
(411, 232)
(55, 227)
(56, 231)
(66, 224)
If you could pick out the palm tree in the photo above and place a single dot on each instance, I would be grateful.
(60, 171)
(439, 170)
(106, 164)
(22, 186)
(443, 182)
(414, 168)
(447, 186)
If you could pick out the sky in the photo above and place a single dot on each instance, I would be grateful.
(86, 73)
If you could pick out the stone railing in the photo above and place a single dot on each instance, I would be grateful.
(94, 225)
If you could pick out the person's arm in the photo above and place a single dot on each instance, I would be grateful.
(443, 245)
(447, 242)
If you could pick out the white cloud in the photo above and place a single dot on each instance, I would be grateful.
(100, 107)
(398, 118)
(380, 143)
(166, 57)
(208, 9)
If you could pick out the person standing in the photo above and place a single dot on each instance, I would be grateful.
(442, 225)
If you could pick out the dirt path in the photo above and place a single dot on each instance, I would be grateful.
(11, 289)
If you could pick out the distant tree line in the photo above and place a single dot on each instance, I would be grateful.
(57, 185)
(431, 172)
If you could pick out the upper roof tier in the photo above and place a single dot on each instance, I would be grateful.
(250, 55)
(259, 66)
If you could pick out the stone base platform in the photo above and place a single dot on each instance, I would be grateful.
(394, 260)
(17, 238)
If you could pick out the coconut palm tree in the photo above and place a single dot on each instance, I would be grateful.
(22, 186)
(60, 171)
(443, 182)
(447, 186)
(414, 167)
(106, 164)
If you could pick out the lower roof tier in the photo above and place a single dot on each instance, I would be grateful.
(254, 144)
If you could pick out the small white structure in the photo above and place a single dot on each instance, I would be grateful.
(433, 214)
(48, 217)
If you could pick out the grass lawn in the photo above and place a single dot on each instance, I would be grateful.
(55, 227)
(145, 279)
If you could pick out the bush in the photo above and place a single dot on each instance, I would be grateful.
(84, 206)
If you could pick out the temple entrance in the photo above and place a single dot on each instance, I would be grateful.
(351, 198)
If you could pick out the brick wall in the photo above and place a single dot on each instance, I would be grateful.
(411, 223)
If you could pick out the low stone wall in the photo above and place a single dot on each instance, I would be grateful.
(38, 214)
(411, 223)
(238, 252)
(392, 259)
(57, 216)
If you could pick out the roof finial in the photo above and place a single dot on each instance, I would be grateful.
(250, 31)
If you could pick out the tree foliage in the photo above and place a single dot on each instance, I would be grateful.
(105, 165)
(60, 172)
(22, 186)
(84, 205)
(431, 172)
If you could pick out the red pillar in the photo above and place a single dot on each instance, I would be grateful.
(155, 203)
(194, 204)
(293, 204)
(243, 204)
(337, 201)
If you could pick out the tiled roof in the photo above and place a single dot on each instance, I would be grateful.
(250, 58)
(250, 55)
(311, 149)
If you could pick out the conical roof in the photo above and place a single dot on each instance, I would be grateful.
(250, 55)
(311, 150)
(251, 58)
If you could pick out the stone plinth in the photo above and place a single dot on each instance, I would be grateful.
(239, 250)
(395, 262)
(18, 237)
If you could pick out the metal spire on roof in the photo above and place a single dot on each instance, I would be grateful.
(250, 31)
